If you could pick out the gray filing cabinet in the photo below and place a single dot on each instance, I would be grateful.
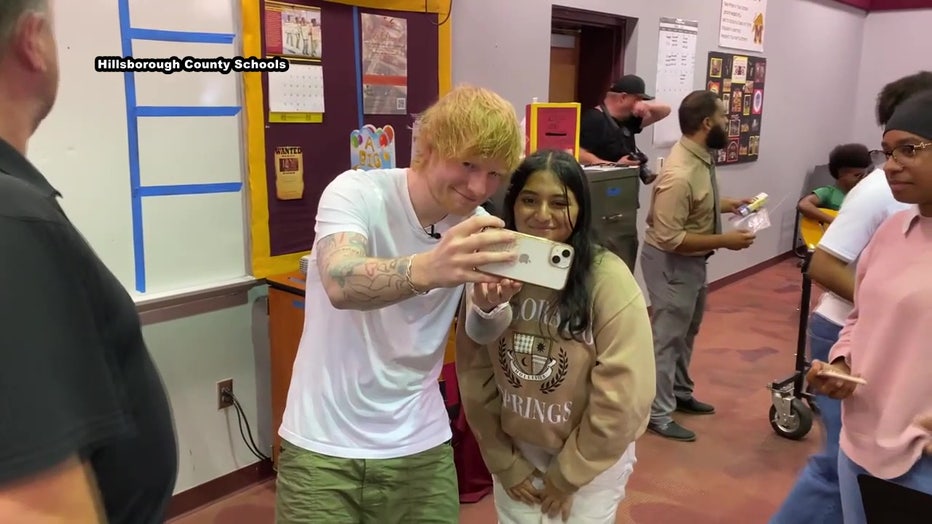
(614, 192)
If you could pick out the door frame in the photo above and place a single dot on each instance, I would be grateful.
(573, 17)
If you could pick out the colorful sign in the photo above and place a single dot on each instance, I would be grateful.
(739, 81)
(372, 148)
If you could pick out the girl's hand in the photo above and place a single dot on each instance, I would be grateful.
(488, 296)
(525, 491)
(830, 386)
(555, 503)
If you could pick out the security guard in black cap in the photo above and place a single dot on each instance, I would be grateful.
(607, 136)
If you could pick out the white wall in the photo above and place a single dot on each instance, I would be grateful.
(195, 352)
(811, 46)
(896, 44)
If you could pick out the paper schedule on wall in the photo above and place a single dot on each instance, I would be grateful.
(676, 67)
(300, 89)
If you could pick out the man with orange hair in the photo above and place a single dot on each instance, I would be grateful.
(365, 434)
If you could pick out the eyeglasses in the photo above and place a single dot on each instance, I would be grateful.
(905, 152)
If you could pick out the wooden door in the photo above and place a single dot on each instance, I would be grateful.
(564, 67)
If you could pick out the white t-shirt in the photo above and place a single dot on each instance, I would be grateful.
(864, 209)
(365, 383)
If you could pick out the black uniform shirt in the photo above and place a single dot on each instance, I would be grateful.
(76, 378)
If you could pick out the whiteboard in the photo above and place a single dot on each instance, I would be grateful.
(166, 212)
(676, 68)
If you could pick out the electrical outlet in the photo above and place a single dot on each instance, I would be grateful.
(224, 401)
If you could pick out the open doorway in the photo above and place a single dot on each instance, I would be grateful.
(586, 54)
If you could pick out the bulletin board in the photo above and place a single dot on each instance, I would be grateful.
(300, 146)
(739, 80)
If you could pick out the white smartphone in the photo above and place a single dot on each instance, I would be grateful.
(841, 376)
(540, 262)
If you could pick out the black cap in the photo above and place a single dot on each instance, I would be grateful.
(632, 85)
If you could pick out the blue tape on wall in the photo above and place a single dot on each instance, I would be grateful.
(180, 36)
(161, 111)
(357, 44)
(133, 112)
(189, 189)
(132, 135)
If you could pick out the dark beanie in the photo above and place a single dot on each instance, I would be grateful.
(914, 116)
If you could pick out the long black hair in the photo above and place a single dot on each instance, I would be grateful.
(573, 302)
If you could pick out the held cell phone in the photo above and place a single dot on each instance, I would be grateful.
(540, 262)
(841, 376)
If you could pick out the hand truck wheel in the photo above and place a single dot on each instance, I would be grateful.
(792, 419)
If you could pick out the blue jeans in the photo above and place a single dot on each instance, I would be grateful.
(815, 498)
(919, 478)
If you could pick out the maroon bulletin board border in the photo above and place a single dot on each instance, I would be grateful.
(887, 5)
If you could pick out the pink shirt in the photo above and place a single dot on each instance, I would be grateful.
(887, 340)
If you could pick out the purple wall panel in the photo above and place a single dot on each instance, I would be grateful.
(326, 146)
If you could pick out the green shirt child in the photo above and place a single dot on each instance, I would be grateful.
(847, 163)
(830, 197)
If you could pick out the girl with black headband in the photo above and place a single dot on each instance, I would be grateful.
(887, 416)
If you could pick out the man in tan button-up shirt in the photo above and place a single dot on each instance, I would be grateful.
(684, 229)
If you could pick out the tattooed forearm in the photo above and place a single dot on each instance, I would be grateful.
(355, 281)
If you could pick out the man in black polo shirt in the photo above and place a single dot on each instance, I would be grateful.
(607, 136)
(86, 431)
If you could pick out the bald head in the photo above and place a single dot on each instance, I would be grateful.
(28, 68)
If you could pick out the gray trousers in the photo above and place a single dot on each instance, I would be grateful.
(676, 285)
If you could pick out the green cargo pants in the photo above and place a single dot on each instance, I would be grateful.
(319, 489)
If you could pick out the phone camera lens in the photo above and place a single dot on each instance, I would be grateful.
(566, 253)
(556, 259)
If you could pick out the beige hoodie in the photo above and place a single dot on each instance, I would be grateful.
(586, 402)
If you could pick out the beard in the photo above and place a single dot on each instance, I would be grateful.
(717, 138)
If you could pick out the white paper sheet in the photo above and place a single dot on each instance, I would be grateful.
(676, 67)
(300, 89)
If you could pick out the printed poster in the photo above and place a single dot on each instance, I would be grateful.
(676, 71)
(372, 147)
(739, 81)
(289, 173)
(293, 31)
(742, 25)
(384, 64)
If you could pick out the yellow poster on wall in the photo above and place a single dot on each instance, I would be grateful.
(289, 173)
